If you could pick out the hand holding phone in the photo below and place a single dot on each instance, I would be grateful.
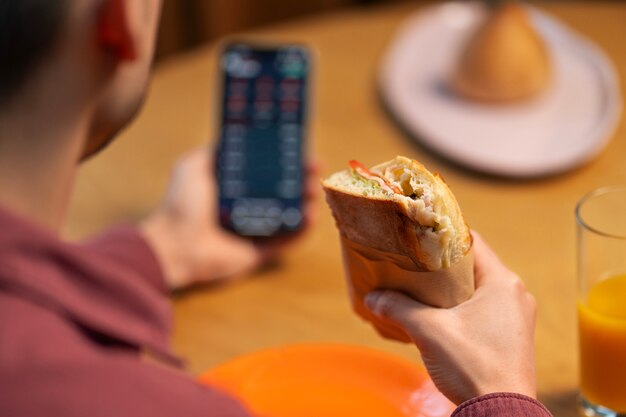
(185, 235)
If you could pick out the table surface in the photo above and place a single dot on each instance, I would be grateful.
(303, 299)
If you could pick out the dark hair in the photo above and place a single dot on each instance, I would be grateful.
(29, 30)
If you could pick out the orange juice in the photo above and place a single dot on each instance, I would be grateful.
(602, 329)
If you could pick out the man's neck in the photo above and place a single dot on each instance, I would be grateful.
(40, 144)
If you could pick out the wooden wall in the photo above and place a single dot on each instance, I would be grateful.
(186, 23)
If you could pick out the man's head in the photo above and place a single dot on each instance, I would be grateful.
(101, 50)
(28, 31)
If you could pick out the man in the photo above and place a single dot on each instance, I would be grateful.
(84, 328)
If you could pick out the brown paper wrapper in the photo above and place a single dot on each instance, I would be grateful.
(368, 269)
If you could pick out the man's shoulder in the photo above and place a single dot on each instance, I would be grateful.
(48, 367)
(32, 336)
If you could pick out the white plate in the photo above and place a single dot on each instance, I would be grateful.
(565, 126)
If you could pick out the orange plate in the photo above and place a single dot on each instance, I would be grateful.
(325, 380)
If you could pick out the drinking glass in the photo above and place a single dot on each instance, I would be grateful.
(601, 233)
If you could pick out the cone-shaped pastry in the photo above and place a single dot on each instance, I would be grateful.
(505, 59)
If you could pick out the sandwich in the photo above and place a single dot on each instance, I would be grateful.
(399, 206)
(401, 228)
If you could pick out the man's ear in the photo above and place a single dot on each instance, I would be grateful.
(114, 34)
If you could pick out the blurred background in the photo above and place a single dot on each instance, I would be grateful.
(188, 23)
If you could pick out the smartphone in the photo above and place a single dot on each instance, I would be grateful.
(260, 159)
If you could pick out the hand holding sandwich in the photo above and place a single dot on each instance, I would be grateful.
(401, 228)
(481, 346)
(415, 272)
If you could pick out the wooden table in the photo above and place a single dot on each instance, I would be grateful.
(529, 223)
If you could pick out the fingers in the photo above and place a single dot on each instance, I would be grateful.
(414, 317)
(531, 304)
(487, 266)
(197, 159)
(312, 186)
(311, 192)
(313, 167)
(488, 258)
(493, 277)
(237, 256)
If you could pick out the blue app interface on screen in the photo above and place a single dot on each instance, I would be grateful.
(260, 155)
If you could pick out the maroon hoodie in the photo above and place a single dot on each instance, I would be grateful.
(77, 321)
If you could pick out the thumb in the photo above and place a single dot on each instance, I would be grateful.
(414, 317)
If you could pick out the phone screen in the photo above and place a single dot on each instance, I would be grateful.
(261, 140)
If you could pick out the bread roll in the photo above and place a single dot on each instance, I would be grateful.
(504, 60)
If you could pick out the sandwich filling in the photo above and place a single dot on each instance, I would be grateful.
(361, 173)
(397, 180)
